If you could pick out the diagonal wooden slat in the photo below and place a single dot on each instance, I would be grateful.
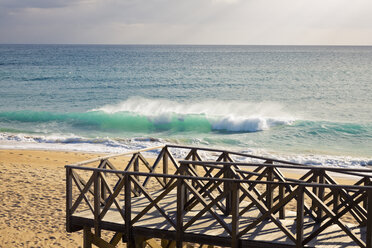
(80, 187)
(205, 191)
(131, 162)
(204, 210)
(82, 194)
(152, 201)
(144, 161)
(205, 204)
(154, 166)
(268, 213)
(81, 183)
(335, 217)
(357, 209)
(112, 197)
(174, 162)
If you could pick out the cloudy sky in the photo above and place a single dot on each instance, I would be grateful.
(255, 22)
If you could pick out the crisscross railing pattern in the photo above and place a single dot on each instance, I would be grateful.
(223, 192)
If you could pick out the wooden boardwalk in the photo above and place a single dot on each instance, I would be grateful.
(218, 203)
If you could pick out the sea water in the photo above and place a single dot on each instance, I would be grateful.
(309, 104)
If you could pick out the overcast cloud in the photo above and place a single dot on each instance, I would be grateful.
(338, 22)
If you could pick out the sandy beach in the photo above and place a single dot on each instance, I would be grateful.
(32, 189)
(32, 192)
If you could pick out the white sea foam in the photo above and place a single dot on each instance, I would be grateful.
(107, 145)
(235, 116)
(150, 107)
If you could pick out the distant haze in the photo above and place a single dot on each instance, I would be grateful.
(255, 22)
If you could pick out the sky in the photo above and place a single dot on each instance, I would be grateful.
(240, 22)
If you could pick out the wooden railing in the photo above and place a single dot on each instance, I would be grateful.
(225, 190)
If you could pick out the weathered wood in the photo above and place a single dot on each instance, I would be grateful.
(281, 197)
(180, 212)
(116, 238)
(335, 217)
(165, 166)
(68, 199)
(369, 223)
(235, 215)
(300, 217)
(87, 237)
(82, 196)
(97, 204)
(152, 200)
(268, 192)
(112, 198)
(128, 211)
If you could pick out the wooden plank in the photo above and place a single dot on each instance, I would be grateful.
(116, 238)
(204, 210)
(87, 237)
(180, 211)
(269, 191)
(83, 190)
(335, 218)
(153, 203)
(154, 166)
(165, 165)
(97, 204)
(128, 210)
(369, 222)
(116, 155)
(235, 215)
(112, 198)
(152, 200)
(268, 213)
(300, 217)
(151, 170)
(99, 242)
(68, 199)
(202, 201)
(152, 243)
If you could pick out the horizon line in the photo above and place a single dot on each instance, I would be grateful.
(186, 44)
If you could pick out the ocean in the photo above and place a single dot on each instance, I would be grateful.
(307, 104)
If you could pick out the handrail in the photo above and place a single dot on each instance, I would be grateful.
(116, 155)
(170, 176)
(302, 167)
(235, 153)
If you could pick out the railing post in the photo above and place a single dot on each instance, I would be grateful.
(336, 200)
(300, 216)
(227, 188)
(68, 199)
(281, 197)
(235, 215)
(366, 183)
(180, 211)
(165, 164)
(315, 189)
(136, 169)
(103, 188)
(369, 220)
(87, 237)
(320, 194)
(269, 189)
(97, 204)
(128, 211)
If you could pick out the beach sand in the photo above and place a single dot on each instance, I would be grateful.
(32, 193)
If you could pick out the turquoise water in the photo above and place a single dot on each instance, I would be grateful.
(303, 103)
